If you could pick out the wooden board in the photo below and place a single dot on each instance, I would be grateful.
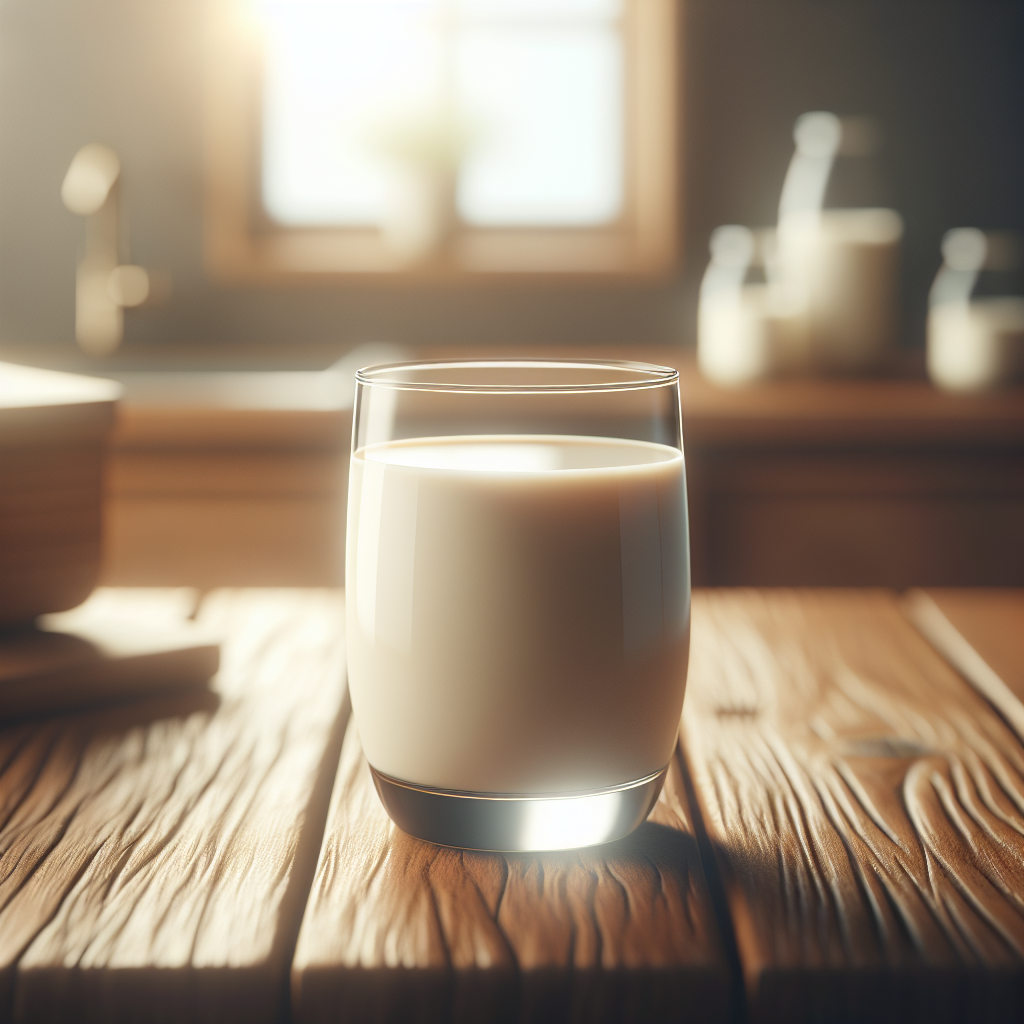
(119, 644)
(866, 808)
(155, 859)
(981, 634)
(400, 930)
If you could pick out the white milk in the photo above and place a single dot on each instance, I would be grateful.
(518, 610)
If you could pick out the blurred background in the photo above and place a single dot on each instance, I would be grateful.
(196, 195)
(945, 82)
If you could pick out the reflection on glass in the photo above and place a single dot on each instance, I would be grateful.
(570, 822)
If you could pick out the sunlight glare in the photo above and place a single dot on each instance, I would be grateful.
(536, 88)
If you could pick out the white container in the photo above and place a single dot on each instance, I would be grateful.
(841, 267)
(748, 333)
(977, 344)
(831, 303)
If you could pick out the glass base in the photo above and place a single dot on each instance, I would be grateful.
(518, 823)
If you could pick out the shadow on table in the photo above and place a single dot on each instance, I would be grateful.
(119, 716)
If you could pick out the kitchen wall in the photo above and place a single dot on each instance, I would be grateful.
(945, 80)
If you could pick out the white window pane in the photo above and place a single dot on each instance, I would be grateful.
(549, 106)
(544, 103)
(330, 69)
(542, 10)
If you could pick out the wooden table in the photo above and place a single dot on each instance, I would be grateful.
(841, 838)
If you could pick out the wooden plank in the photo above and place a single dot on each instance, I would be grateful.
(117, 645)
(981, 634)
(400, 930)
(154, 859)
(866, 809)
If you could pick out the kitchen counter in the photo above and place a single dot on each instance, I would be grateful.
(240, 479)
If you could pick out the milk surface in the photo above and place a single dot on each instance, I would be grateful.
(518, 610)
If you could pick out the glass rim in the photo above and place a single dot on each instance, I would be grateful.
(645, 375)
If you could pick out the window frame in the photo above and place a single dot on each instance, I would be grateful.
(242, 245)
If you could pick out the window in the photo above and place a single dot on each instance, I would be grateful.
(440, 139)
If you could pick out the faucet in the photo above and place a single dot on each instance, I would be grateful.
(104, 286)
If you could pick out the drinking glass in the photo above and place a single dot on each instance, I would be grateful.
(517, 572)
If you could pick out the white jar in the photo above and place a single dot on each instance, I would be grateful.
(977, 344)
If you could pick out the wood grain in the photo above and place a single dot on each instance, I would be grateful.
(154, 859)
(866, 809)
(400, 930)
(981, 634)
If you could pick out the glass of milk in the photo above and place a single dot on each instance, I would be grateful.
(518, 583)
